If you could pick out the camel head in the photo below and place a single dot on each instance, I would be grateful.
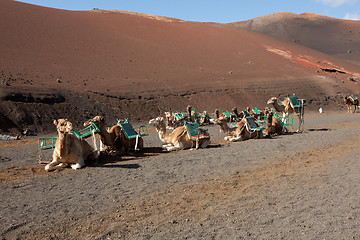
(63, 125)
(168, 114)
(158, 123)
(97, 120)
(221, 120)
(217, 113)
(272, 100)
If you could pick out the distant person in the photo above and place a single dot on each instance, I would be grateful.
(320, 110)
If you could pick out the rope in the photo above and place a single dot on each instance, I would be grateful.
(136, 142)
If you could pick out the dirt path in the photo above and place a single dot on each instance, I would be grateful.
(298, 186)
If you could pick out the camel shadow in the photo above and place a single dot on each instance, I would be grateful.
(128, 166)
(111, 161)
(214, 146)
(319, 129)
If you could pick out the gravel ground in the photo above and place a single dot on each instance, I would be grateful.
(295, 186)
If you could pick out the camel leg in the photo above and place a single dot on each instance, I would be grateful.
(165, 146)
(177, 146)
(235, 139)
(79, 164)
(55, 164)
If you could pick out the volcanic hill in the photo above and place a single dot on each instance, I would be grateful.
(77, 64)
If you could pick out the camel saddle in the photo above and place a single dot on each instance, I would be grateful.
(353, 98)
(195, 132)
(129, 130)
(47, 143)
(294, 101)
(251, 121)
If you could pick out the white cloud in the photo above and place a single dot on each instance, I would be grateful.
(337, 3)
(352, 16)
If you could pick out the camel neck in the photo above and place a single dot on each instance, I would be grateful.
(226, 129)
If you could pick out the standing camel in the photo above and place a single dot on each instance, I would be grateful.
(287, 108)
(351, 101)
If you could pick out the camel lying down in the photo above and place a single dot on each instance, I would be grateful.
(69, 149)
(179, 138)
(241, 131)
(115, 140)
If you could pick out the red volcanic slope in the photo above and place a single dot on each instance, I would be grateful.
(340, 38)
(119, 52)
(57, 63)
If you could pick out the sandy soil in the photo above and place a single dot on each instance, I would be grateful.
(296, 186)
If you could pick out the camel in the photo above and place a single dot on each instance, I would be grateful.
(69, 149)
(273, 125)
(204, 119)
(172, 122)
(235, 115)
(179, 138)
(241, 131)
(191, 115)
(351, 101)
(115, 139)
(287, 108)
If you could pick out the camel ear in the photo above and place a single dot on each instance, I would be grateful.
(55, 122)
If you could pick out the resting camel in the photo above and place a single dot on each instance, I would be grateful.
(286, 108)
(115, 139)
(351, 101)
(177, 139)
(69, 149)
(273, 125)
(205, 119)
(170, 120)
(241, 131)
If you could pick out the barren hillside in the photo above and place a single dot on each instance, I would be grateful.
(56, 63)
(336, 37)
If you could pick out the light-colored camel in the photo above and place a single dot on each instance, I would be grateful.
(351, 101)
(69, 149)
(115, 139)
(273, 125)
(286, 108)
(241, 131)
(177, 139)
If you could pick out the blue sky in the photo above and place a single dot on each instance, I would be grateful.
(223, 11)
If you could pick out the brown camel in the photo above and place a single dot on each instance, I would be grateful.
(287, 108)
(179, 138)
(204, 119)
(241, 131)
(172, 122)
(69, 149)
(351, 101)
(115, 139)
(273, 125)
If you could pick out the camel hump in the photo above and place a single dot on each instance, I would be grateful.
(353, 98)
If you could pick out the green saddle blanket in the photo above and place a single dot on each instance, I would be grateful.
(194, 131)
